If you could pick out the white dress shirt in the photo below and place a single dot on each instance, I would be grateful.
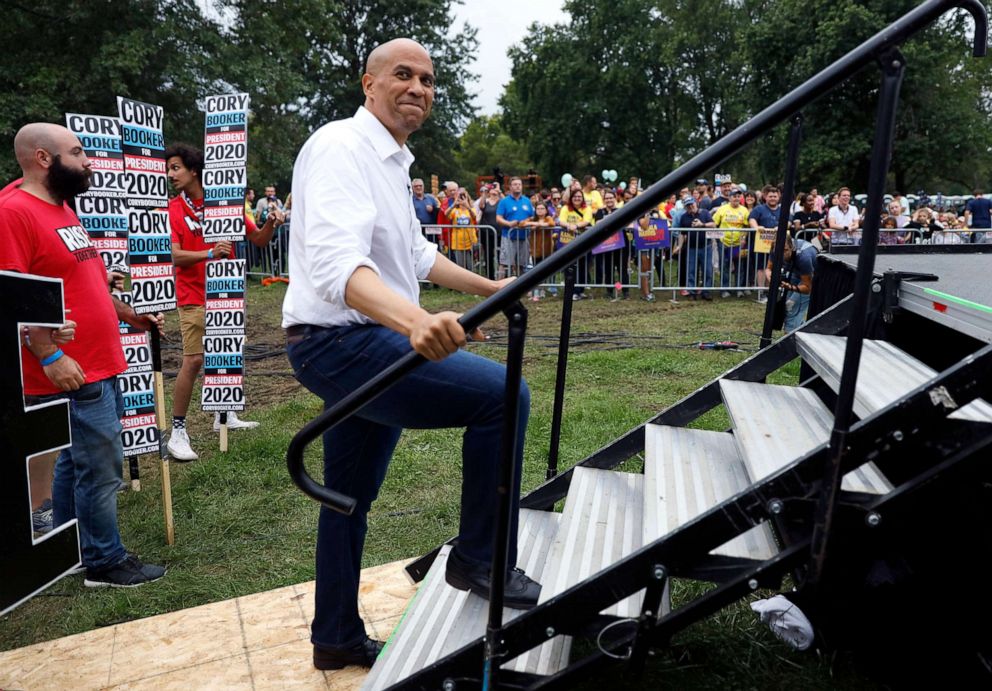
(844, 218)
(352, 207)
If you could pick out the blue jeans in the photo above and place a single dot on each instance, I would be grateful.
(700, 249)
(88, 473)
(796, 305)
(731, 259)
(463, 390)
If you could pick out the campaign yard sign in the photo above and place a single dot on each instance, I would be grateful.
(763, 240)
(137, 387)
(153, 283)
(655, 236)
(224, 337)
(145, 181)
(225, 157)
(100, 136)
(102, 210)
(614, 242)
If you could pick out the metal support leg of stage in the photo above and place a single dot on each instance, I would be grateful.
(494, 649)
(893, 66)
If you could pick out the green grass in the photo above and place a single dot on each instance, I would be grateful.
(242, 527)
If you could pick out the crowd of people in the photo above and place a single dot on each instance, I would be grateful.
(718, 232)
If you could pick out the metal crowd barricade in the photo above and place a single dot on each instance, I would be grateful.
(696, 260)
(960, 236)
(482, 255)
(271, 260)
(697, 263)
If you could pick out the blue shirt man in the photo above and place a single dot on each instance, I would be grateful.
(765, 216)
(424, 205)
(798, 262)
(698, 248)
(801, 262)
(513, 211)
(979, 211)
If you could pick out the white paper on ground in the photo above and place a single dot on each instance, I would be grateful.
(786, 621)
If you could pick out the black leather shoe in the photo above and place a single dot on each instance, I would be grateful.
(361, 655)
(521, 592)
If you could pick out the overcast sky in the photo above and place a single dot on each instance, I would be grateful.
(501, 24)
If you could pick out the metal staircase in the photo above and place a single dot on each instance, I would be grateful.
(806, 476)
(687, 472)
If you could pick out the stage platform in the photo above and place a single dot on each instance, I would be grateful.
(961, 297)
(259, 641)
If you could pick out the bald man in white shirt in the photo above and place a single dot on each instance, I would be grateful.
(352, 309)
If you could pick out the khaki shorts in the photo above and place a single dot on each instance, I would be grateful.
(191, 321)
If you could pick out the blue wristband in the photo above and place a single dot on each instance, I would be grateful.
(54, 357)
(210, 254)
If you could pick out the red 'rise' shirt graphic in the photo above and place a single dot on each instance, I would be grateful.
(187, 234)
(47, 240)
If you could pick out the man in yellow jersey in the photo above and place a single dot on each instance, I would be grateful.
(733, 216)
(592, 195)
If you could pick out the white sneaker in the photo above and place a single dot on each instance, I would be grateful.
(233, 422)
(725, 294)
(178, 446)
(740, 293)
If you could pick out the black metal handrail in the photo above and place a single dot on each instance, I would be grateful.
(787, 106)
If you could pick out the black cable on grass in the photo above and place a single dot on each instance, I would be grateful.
(593, 341)
(622, 341)
(406, 512)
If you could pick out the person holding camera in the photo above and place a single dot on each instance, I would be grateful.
(464, 234)
(264, 205)
(798, 261)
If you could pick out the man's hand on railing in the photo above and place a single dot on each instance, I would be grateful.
(439, 335)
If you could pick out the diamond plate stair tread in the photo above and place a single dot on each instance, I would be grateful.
(775, 425)
(441, 619)
(885, 375)
(686, 473)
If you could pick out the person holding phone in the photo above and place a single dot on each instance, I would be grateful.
(464, 234)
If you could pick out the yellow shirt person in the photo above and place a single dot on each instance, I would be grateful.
(730, 216)
(462, 237)
(593, 199)
(570, 216)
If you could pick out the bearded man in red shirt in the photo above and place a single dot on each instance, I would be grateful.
(40, 234)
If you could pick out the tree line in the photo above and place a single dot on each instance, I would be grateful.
(638, 86)
(641, 86)
(300, 60)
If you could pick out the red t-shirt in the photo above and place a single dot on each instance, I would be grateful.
(47, 240)
(187, 234)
